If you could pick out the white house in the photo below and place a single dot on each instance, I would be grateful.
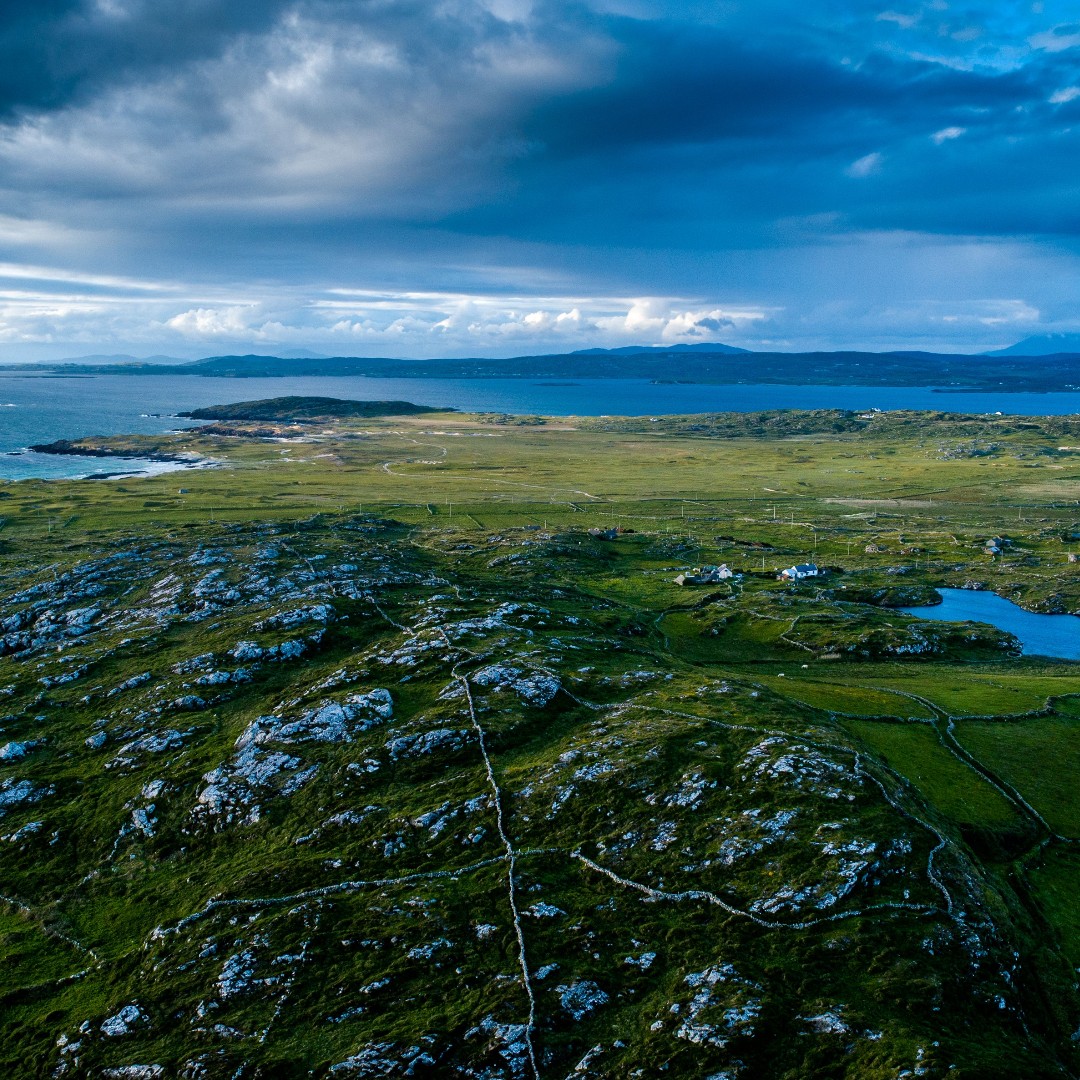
(802, 570)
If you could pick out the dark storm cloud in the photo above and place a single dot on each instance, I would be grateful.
(683, 84)
(55, 51)
(422, 113)
(704, 125)
(510, 147)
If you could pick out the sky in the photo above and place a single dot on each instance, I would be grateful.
(500, 177)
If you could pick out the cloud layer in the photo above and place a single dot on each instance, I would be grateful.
(500, 176)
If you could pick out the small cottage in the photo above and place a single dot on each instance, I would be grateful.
(800, 571)
(706, 575)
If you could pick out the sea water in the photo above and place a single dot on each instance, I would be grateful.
(38, 408)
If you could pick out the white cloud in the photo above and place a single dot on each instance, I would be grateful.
(1056, 40)
(45, 318)
(865, 166)
(28, 272)
(407, 324)
(947, 134)
(898, 17)
(990, 313)
(315, 113)
(113, 9)
(967, 33)
(1065, 95)
(363, 322)
(1006, 312)
(655, 320)
(204, 324)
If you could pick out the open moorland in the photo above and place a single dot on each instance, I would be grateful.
(388, 746)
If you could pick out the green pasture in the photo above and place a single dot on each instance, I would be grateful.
(971, 693)
(947, 783)
(1055, 879)
(852, 700)
(851, 485)
(1040, 757)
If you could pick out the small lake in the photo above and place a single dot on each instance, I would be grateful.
(1040, 635)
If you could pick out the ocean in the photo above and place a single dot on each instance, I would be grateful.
(42, 408)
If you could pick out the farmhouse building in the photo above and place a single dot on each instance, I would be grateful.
(706, 575)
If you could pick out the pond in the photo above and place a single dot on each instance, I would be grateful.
(1040, 635)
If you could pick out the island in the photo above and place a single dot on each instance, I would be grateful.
(299, 410)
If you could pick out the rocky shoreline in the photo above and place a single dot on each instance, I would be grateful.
(129, 461)
(68, 448)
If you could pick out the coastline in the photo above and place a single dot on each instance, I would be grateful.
(72, 448)
(152, 463)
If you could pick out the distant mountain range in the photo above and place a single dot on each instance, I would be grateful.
(949, 372)
(1042, 345)
(158, 358)
(1039, 345)
(1018, 368)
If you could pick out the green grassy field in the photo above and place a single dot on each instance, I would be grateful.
(834, 891)
(1056, 881)
(915, 752)
(1040, 758)
(975, 694)
(845, 698)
